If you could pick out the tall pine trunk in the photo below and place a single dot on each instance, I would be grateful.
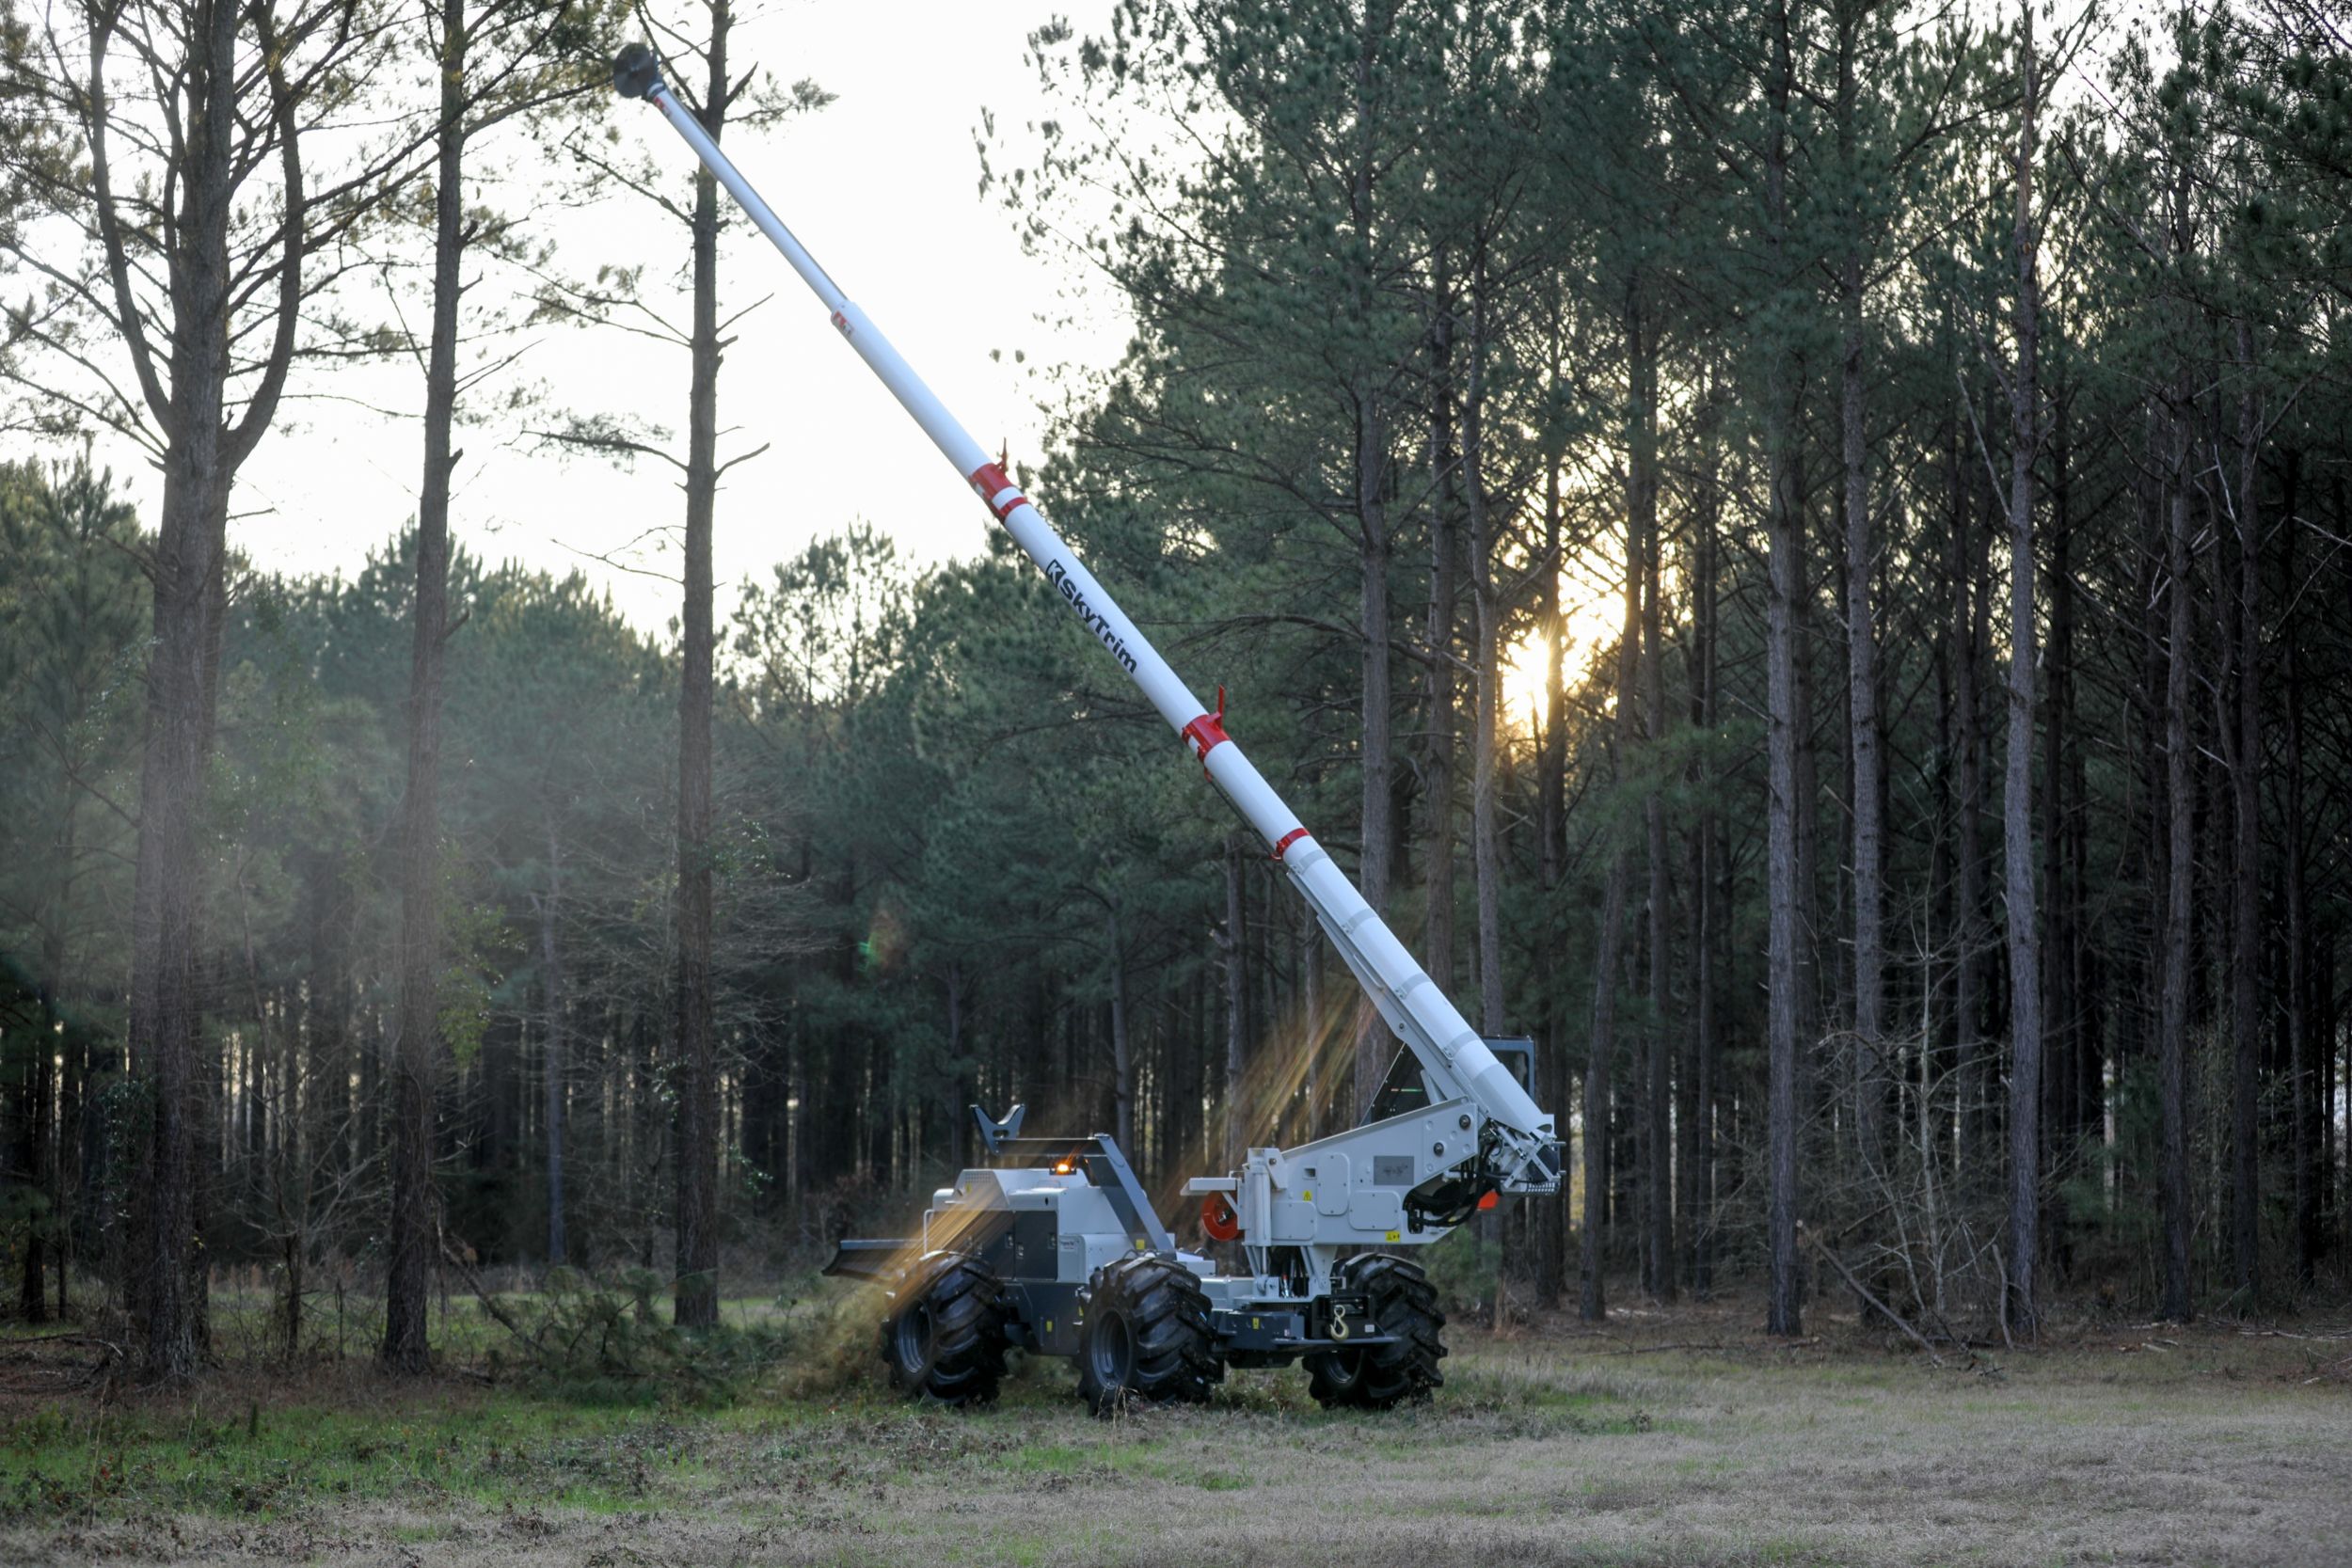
(1785, 525)
(1712, 901)
(1609, 947)
(1445, 556)
(697, 1298)
(2024, 936)
(1658, 1247)
(1485, 826)
(557, 1051)
(1862, 681)
(2070, 1079)
(412, 1226)
(1370, 466)
(166, 1048)
(1377, 816)
(1552, 1265)
(1485, 814)
(2311, 1130)
(2245, 954)
(1971, 631)
(2173, 1186)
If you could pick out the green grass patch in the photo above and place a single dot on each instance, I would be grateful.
(1055, 1458)
(264, 1463)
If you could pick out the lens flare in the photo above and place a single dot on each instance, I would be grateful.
(1297, 1084)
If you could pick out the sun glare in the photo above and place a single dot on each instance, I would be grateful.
(1591, 617)
(1523, 682)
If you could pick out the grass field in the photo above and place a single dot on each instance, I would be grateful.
(1682, 1439)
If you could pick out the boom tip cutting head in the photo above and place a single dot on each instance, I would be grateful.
(635, 72)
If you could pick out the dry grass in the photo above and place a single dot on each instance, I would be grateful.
(1676, 1438)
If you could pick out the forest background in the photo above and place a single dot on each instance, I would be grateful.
(1797, 550)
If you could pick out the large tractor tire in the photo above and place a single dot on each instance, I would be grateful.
(1399, 1298)
(1147, 1338)
(944, 1337)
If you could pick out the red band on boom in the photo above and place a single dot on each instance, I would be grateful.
(1206, 733)
(990, 482)
(1288, 839)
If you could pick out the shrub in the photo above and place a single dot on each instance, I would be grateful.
(600, 1341)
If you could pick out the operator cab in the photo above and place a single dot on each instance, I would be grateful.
(1404, 1091)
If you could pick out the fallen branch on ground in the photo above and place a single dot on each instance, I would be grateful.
(1864, 1292)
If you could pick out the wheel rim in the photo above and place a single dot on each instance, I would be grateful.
(1111, 1351)
(915, 1336)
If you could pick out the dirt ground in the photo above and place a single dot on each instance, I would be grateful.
(1669, 1440)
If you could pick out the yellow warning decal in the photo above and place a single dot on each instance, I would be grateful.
(1307, 1197)
(1393, 1236)
(1049, 1326)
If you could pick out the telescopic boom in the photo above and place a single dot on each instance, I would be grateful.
(1452, 1054)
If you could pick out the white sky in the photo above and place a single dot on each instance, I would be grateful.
(883, 186)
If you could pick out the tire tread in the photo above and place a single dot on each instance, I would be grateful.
(969, 1313)
(1381, 1377)
(1176, 1355)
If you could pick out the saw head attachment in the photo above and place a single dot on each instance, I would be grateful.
(635, 72)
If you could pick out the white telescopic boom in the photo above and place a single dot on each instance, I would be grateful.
(1451, 1053)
